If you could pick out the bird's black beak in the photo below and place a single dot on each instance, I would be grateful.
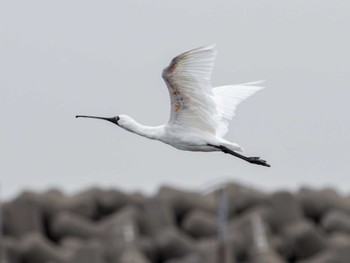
(112, 119)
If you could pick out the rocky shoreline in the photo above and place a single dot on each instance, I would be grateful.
(173, 226)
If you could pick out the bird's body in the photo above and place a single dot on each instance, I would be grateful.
(200, 114)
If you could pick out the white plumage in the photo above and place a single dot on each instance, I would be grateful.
(199, 114)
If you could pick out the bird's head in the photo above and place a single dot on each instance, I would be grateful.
(123, 121)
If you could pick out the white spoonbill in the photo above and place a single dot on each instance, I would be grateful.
(200, 114)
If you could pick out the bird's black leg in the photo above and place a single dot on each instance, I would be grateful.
(254, 160)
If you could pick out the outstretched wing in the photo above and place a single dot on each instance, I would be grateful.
(188, 81)
(194, 103)
(227, 98)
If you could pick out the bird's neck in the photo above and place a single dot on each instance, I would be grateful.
(154, 133)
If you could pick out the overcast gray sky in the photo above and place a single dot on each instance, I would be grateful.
(62, 58)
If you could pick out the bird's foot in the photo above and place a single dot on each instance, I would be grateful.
(258, 161)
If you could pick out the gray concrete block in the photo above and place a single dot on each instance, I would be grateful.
(23, 215)
(241, 198)
(184, 201)
(335, 255)
(200, 224)
(336, 221)
(10, 250)
(192, 258)
(119, 231)
(338, 239)
(120, 223)
(265, 256)
(305, 239)
(69, 224)
(282, 246)
(109, 201)
(312, 203)
(51, 202)
(83, 251)
(147, 246)
(335, 200)
(84, 204)
(36, 249)
(208, 249)
(211, 250)
(285, 210)
(155, 216)
(133, 255)
(96, 203)
(241, 233)
(315, 203)
(173, 244)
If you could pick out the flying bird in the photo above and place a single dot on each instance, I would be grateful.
(200, 113)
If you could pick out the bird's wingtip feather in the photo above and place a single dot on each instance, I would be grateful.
(253, 83)
(203, 48)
